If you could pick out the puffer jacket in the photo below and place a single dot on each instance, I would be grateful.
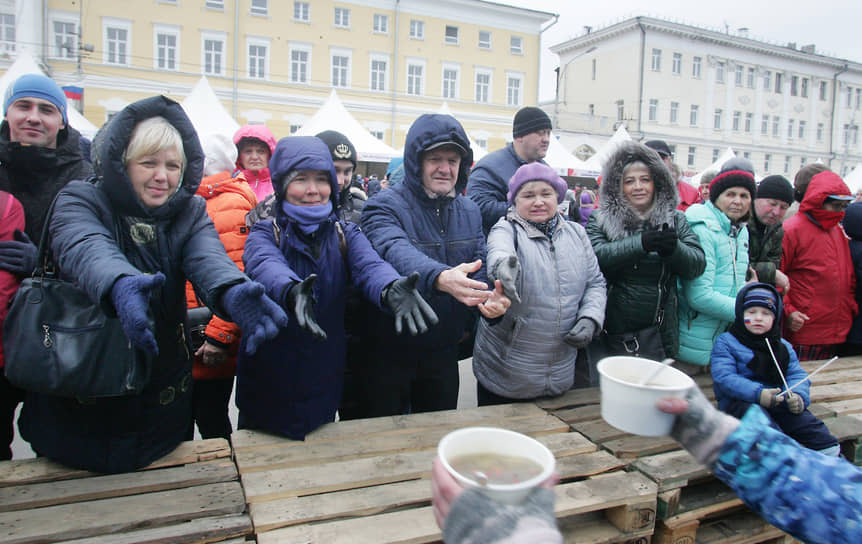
(707, 302)
(489, 184)
(524, 355)
(853, 228)
(293, 383)
(764, 248)
(818, 264)
(11, 219)
(417, 233)
(259, 181)
(642, 287)
(228, 200)
(177, 239)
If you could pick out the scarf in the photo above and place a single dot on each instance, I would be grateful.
(548, 226)
(762, 364)
(825, 218)
(308, 218)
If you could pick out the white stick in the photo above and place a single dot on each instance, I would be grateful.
(800, 382)
(777, 366)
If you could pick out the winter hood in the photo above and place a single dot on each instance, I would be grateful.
(822, 185)
(427, 130)
(739, 307)
(254, 132)
(301, 153)
(219, 154)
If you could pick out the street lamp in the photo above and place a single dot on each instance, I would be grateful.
(561, 73)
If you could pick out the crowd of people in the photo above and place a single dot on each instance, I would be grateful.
(322, 301)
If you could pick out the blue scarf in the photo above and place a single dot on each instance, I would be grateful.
(309, 218)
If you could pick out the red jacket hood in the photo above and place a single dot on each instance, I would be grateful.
(222, 182)
(822, 185)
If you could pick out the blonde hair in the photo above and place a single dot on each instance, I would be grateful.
(151, 136)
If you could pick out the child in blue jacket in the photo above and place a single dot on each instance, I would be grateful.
(751, 364)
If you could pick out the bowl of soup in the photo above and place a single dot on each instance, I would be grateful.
(630, 406)
(503, 464)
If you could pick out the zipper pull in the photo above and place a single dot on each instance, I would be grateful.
(47, 341)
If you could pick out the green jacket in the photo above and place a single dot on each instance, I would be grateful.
(764, 248)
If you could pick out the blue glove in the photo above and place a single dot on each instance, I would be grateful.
(258, 317)
(300, 299)
(131, 298)
(19, 255)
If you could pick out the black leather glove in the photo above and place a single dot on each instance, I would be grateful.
(408, 306)
(19, 255)
(300, 300)
(661, 241)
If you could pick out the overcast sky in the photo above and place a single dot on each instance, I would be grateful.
(834, 26)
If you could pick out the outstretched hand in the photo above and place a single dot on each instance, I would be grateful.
(131, 298)
(257, 315)
(497, 302)
(457, 283)
(300, 300)
(408, 306)
(507, 271)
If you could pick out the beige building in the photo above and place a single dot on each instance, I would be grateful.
(276, 61)
(703, 91)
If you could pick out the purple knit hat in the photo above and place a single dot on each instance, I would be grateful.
(536, 171)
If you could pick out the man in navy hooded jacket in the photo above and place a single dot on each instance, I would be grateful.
(426, 224)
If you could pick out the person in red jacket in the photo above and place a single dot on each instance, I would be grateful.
(228, 199)
(11, 220)
(820, 304)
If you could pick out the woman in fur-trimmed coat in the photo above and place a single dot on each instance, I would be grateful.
(643, 244)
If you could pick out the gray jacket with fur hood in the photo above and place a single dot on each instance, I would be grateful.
(642, 286)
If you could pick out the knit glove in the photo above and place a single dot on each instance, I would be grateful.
(300, 300)
(258, 317)
(507, 271)
(477, 519)
(408, 306)
(582, 333)
(661, 241)
(702, 429)
(19, 255)
(131, 298)
(795, 403)
(767, 397)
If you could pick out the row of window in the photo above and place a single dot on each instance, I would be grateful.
(767, 159)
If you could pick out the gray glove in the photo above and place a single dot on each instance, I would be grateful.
(702, 429)
(300, 300)
(408, 306)
(478, 519)
(767, 397)
(795, 403)
(582, 333)
(507, 271)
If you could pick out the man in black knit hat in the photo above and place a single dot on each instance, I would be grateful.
(765, 234)
(489, 179)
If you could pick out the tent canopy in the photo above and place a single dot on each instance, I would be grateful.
(597, 161)
(716, 166)
(206, 111)
(561, 160)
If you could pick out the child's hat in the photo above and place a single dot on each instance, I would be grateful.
(760, 296)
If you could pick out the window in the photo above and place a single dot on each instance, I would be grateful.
(764, 125)
(294, 129)
(766, 158)
(415, 78)
(787, 164)
(300, 63)
(452, 34)
(213, 54)
(65, 40)
(378, 74)
(484, 39)
(7, 32)
(594, 69)
(166, 47)
(858, 98)
(340, 63)
(804, 89)
(779, 81)
(591, 109)
(417, 29)
(377, 134)
(819, 132)
(767, 80)
(749, 120)
(342, 18)
(653, 109)
(849, 97)
(258, 61)
(746, 154)
(302, 12)
(794, 85)
(823, 90)
(692, 118)
(677, 63)
(716, 121)
(695, 67)
(737, 120)
(691, 153)
(776, 125)
(715, 153)
(719, 72)
(801, 129)
(516, 45)
(674, 112)
(790, 128)
(215, 4)
(450, 82)
(621, 110)
(481, 142)
(656, 60)
(514, 94)
(259, 7)
(381, 24)
(483, 87)
(802, 161)
(738, 71)
(749, 82)
(117, 39)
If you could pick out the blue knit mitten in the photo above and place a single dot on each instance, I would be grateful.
(131, 298)
(257, 315)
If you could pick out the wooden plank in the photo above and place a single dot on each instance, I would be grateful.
(844, 427)
(588, 464)
(844, 407)
(593, 528)
(667, 503)
(570, 399)
(599, 431)
(204, 530)
(353, 429)
(681, 534)
(193, 451)
(289, 455)
(672, 470)
(742, 528)
(702, 502)
(120, 514)
(567, 444)
(835, 392)
(582, 413)
(116, 485)
(628, 499)
(632, 446)
(844, 363)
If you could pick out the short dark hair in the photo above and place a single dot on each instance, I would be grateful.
(803, 178)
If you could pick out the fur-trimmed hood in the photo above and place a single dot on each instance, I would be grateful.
(619, 219)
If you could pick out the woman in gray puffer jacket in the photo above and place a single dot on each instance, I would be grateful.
(549, 271)
(643, 245)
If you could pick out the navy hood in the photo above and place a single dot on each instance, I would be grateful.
(427, 130)
(301, 153)
(853, 221)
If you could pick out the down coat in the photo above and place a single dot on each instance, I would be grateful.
(642, 286)
(259, 180)
(707, 303)
(293, 383)
(524, 356)
(178, 239)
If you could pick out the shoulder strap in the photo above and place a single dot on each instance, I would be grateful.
(342, 240)
(514, 234)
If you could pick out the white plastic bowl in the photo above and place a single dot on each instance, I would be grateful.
(631, 407)
(471, 440)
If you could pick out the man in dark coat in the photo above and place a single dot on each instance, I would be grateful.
(765, 234)
(426, 224)
(39, 153)
(489, 179)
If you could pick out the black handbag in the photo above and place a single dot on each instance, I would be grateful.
(58, 342)
(644, 343)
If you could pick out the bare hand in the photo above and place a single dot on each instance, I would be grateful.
(782, 283)
(497, 302)
(211, 355)
(797, 319)
(753, 278)
(466, 290)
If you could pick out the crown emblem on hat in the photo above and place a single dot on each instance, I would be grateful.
(341, 151)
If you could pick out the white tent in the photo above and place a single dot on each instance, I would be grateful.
(207, 113)
(478, 151)
(332, 115)
(595, 163)
(854, 179)
(25, 64)
(561, 160)
(716, 166)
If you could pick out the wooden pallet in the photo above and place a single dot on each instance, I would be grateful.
(190, 495)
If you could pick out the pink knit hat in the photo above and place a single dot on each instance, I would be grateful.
(536, 171)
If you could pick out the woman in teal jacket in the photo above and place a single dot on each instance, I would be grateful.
(707, 301)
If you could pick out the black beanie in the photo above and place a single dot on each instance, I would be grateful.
(777, 187)
(339, 146)
(530, 119)
(736, 172)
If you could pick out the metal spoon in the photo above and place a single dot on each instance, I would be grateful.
(664, 364)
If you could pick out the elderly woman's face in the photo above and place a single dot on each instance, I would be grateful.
(638, 187)
(155, 177)
(536, 201)
(734, 202)
(254, 156)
